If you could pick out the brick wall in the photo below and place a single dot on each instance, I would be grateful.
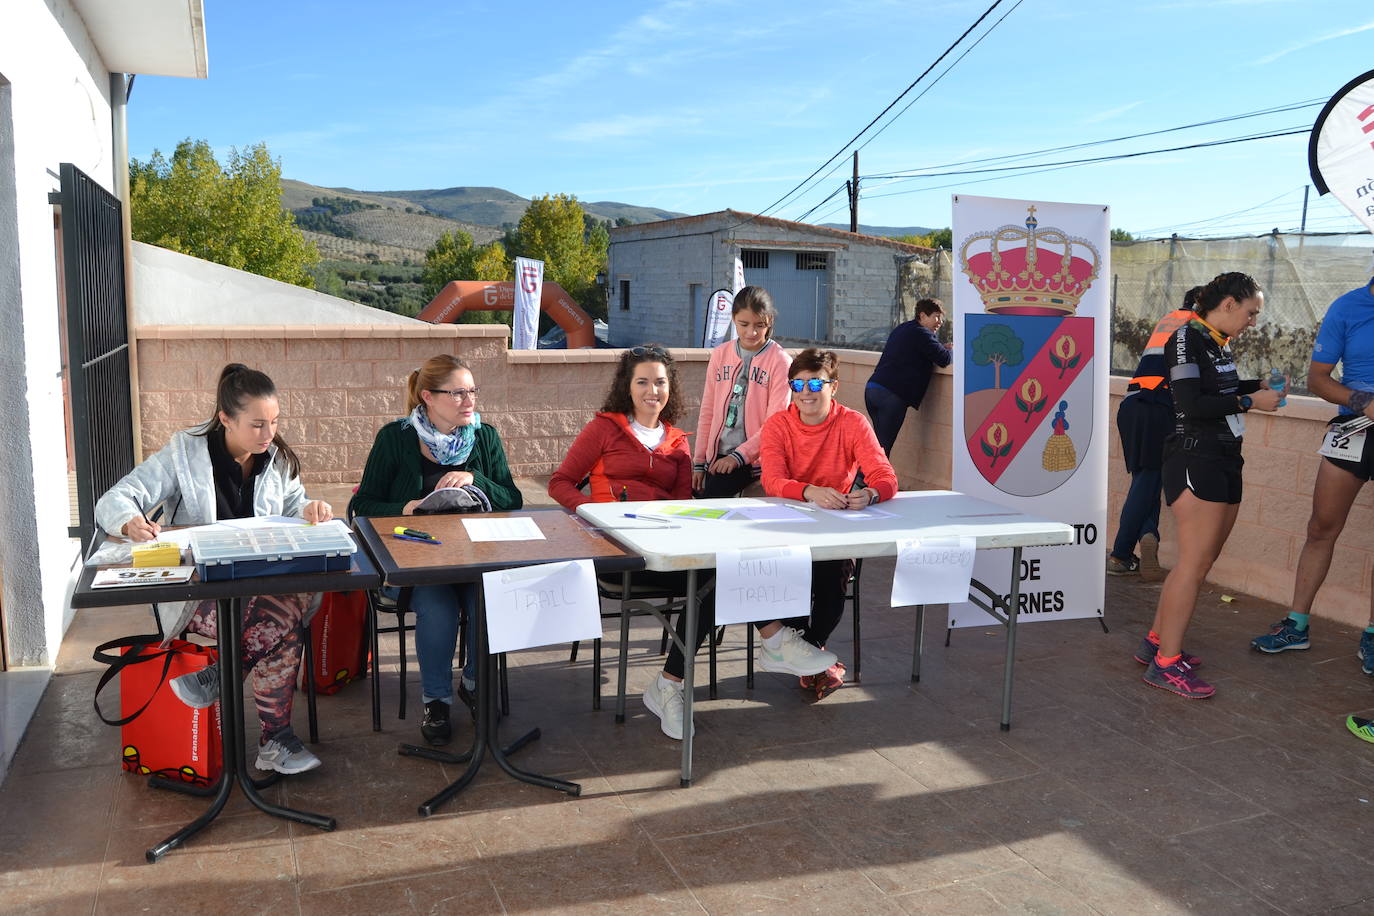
(339, 385)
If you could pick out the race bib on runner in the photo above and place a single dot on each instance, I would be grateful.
(1349, 448)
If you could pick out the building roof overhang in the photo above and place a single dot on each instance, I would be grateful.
(153, 37)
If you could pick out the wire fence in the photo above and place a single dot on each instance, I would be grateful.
(1300, 274)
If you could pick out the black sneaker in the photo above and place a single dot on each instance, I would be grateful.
(435, 725)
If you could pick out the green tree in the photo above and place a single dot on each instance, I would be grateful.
(455, 257)
(554, 229)
(938, 238)
(231, 215)
(1121, 235)
(999, 346)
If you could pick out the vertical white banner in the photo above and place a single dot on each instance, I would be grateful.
(1031, 426)
(718, 323)
(529, 287)
(739, 274)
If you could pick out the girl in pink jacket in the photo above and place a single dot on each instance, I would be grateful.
(746, 383)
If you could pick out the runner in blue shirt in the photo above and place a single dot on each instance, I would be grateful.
(1346, 337)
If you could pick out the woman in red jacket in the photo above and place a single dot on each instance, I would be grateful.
(631, 450)
(812, 451)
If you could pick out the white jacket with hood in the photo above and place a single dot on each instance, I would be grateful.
(181, 479)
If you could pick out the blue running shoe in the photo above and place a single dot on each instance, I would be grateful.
(1366, 653)
(1281, 637)
(1360, 728)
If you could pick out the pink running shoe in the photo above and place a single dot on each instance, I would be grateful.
(830, 680)
(1178, 678)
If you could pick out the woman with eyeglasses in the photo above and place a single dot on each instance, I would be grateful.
(746, 383)
(812, 451)
(631, 451)
(443, 443)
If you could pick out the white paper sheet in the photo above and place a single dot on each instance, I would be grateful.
(763, 583)
(870, 514)
(522, 528)
(933, 571)
(541, 605)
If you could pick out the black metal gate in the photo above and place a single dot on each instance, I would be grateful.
(97, 334)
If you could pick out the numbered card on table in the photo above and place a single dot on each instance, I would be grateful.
(541, 605)
(765, 583)
(121, 577)
(933, 571)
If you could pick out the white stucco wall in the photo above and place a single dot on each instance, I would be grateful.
(176, 289)
(59, 111)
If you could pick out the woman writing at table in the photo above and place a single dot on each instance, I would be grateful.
(812, 451)
(442, 443)
(235, 465)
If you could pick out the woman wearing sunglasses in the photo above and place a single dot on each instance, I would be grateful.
(812, 451)
(442, 443)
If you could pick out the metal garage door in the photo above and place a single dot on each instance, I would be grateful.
(800, 284)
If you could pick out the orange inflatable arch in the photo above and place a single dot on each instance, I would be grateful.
(460, 296)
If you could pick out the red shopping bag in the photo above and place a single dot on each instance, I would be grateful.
(159, 734)
(338, 640)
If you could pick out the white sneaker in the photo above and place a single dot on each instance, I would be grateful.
(664, 699)
(795, 656)
(286, 754)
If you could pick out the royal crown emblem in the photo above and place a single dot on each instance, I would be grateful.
(1030, 271)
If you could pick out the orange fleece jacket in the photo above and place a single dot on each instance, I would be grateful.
(795, 456)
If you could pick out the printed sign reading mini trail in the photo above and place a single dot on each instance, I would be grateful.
(1030, 418)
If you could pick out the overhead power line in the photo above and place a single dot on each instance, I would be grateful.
(843, 149)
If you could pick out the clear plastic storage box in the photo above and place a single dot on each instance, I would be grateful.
(240, 553)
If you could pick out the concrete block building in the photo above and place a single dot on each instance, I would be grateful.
(829, 285)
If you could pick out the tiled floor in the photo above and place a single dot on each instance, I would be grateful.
(1105, 797)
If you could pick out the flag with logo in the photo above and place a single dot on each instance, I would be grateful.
(529, 288)
(1340, 149)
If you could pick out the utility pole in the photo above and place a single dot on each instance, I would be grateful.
(1305, 189)
(854, 196)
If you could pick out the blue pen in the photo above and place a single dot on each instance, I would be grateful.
(655, 518)
(406, 537)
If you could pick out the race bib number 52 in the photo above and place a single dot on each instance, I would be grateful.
(1350, 448)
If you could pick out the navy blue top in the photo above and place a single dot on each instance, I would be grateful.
(910, 356)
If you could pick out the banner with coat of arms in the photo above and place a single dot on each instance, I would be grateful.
(1032, 315)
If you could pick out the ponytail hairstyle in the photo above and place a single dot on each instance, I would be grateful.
(432, 374)
(1235, 285)
(757, 300)
(237, 386)
(1190, 298)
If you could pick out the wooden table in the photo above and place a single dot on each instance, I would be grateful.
(458, 558)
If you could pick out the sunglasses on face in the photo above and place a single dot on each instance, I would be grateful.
(810, 384)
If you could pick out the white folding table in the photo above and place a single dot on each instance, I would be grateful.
(692, 545)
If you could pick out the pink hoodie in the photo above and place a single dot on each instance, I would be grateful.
(767, 394)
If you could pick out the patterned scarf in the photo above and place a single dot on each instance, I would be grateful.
(446, 449)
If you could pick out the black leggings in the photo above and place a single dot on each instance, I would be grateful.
(721, 486)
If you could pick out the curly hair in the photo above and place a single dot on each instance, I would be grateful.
(1235, 285)
(618, 399)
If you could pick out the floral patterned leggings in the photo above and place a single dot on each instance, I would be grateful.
(273, 627)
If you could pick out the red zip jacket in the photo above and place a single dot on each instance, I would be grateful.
(607, 451)
(796, 456)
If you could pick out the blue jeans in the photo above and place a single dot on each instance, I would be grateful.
(1139, 514)
(888, 412)
(437, 610)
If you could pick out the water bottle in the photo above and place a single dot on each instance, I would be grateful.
(1277, 384)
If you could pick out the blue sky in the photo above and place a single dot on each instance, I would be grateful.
(698, 105)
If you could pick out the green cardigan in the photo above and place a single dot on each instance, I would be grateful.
(392, 477)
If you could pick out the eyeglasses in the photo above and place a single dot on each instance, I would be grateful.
(649, 351)
(810, 384)
(458, 394)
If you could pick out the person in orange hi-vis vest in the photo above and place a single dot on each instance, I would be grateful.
(1145, 417)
